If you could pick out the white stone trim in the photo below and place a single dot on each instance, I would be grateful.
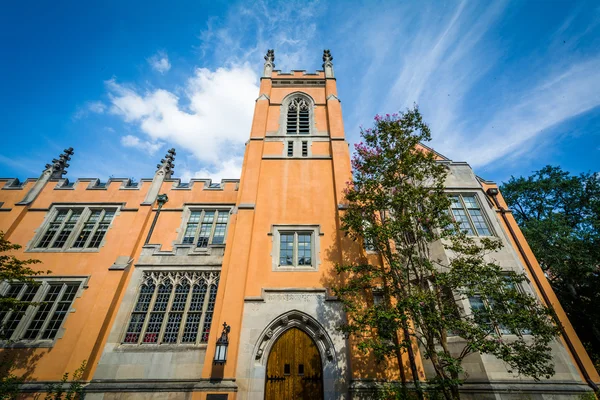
(314, 230)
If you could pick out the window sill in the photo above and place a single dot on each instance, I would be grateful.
(303, 268)
(41, 250)
(128, 347)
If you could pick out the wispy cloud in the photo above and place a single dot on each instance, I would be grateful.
(160, 62)
(95, 107)
(143, 145)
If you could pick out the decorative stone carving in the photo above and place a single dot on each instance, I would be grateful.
(269, 63)
(167, 164)
(328, 64)
(57, 168)
(298, 320)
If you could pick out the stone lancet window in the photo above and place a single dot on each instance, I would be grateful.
(298, 117)
(206, 227)
(173, 308)
(75, 228)
(467, 212)
(42, 321)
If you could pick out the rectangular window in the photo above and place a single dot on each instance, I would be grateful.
(290, 149)
(296, 248)
(78, 228)
(43, 320)
(482, 308)
(206, 227)
(304, 149)
(467, 212)
(171, 307)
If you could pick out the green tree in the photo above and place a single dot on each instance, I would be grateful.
(14, 271)
(559, 215)
(68, 389)
(397, 204)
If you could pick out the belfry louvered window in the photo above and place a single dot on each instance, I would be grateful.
(298, 117)
(173, 308)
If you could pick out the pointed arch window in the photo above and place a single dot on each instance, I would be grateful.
(298, 117)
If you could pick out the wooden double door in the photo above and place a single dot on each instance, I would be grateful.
(294, 369)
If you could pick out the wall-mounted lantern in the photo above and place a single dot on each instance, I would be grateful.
(222, 343)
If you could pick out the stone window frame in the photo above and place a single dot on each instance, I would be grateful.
(67, 247)
(283, 114)
(209, 277)
(497, 330)
(185, 217)
(314, 230)
(482, 209)
(16, 340)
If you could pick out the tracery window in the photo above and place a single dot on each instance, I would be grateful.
(298, 117)
(206, 227)
(171, 307)
(75, 228)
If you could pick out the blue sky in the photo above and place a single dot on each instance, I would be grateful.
(506, 86)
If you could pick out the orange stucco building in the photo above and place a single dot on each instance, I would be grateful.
(142, 283)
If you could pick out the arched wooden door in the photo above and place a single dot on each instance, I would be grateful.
(294, 368)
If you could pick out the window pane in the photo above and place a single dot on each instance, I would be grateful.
(220, 227)
(172, 329)
(164, 294)
(17, 315)
(479, 310)
(479, 222)
(290, 149)
(190, 331)
(42, 312)
(212, 298)
(143, 303)
(48, 235)
(304, 249)
(83, 235)
(286, 249)
(98, 235)
(62, 237)
(198, 294)
(181, 294)
(60, 312)
(470, 201)
(190, 232)
(460, 216)
(135, 328)
(154, 324)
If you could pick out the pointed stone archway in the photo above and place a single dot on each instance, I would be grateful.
(268, 317)
(294, 368)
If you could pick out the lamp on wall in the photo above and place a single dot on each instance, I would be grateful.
(222, 343)
(161, 199)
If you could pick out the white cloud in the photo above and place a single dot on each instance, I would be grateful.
(96, 107)
(228, 169)
(213, 125)
(160, 62)
(137, 143)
